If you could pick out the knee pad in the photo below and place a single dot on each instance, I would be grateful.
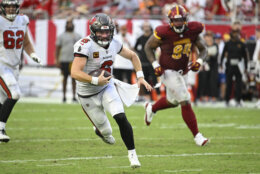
(16, 95)
(106, 131)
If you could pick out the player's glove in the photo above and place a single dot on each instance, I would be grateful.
(158, 71)
(35, 58)
(195, 67)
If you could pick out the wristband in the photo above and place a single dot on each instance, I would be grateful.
(200, 61)
(155, 64)
(139, 74)
(94, 80)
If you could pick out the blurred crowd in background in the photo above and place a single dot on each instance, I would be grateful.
(198, 9)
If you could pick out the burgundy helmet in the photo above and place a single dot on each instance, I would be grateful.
(178, 17)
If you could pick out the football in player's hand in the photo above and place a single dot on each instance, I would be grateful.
(97, 72)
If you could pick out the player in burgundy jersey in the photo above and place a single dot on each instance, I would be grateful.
(176, 40)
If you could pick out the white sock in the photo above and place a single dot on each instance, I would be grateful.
(2, 125)
(132, 151)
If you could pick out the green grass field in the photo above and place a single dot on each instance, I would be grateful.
(50, 139)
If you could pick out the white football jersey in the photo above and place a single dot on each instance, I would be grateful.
(97, 57)
(11, 40)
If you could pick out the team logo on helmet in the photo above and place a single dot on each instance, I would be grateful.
(178, 18)
(6, 3)
(101, 23)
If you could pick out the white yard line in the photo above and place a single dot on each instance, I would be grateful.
(97, 139)
(46, 119)
(52, 100)
(175, 126)
(198, 154)
(140, 156)
(54, 165)
(60, 159)
(184, 170)
(55, 140)
(118, 167)
(248, 127)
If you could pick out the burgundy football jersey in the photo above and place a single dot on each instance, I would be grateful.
(176, 48)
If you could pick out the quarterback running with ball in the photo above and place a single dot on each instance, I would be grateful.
(176, 40)
(97, 94)
(14, 38)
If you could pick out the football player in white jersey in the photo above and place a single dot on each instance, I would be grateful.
(14, 38)
(97, 94)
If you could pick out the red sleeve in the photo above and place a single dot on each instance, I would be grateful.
(158, 33)
(197, 27)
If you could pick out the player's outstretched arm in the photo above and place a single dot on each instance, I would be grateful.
(78, 73)
(28, 47)
(129, 54)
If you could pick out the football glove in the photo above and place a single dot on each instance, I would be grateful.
(158, 71)
(195, 67)
(35, 58)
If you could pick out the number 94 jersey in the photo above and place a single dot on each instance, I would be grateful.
(176, 48)
(97, 58)
(11, 40)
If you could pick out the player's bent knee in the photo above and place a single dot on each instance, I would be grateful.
(183, 103)
(106, 131)
(173, 102)
(15, 95)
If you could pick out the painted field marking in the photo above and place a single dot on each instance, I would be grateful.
(54, 165)
(184, 170)
(117, 167)
(140, 156)
(179, 126)
(60, 159)
(46, 119)
(97, 139)
(248, 127)
(55, 140)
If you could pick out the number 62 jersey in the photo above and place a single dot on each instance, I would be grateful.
(11, 40)
(97, 58)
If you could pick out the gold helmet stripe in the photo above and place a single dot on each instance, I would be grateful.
(177, 8)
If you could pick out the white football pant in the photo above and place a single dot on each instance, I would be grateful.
(95, 106)
(9, 87)
(176, 90)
